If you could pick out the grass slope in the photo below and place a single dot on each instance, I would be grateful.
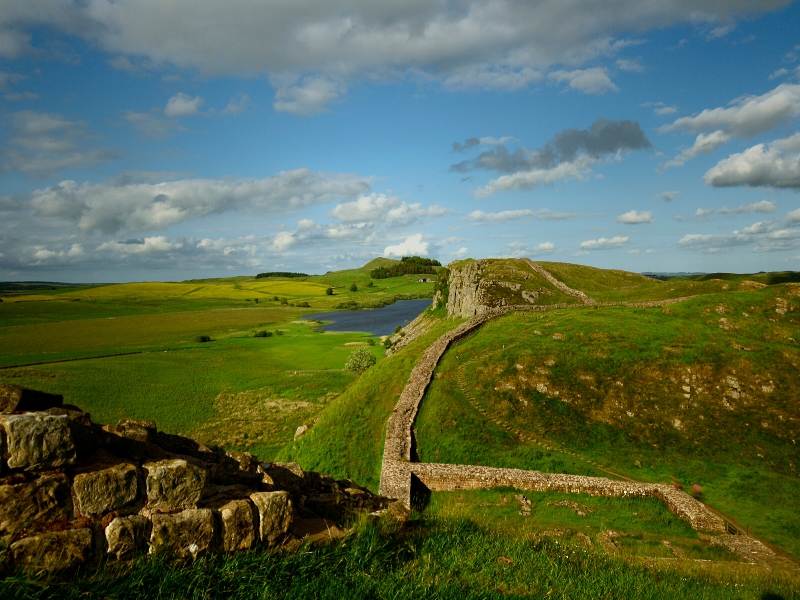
(699, 392)
(436, 558)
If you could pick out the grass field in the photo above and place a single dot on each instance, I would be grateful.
(699, 392)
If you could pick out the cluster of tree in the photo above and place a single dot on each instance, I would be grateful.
(280, 274)
(408, 265)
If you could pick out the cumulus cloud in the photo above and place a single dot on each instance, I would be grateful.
(635, 217)
(762, 236)
(151, 206)
(413, 245)
(545, 247)
(746, 116)
(43, 143)
(473, 44)
(183, 105)
(569, 155)
(307, 96)
(603, 243)
(775, 165)
(793, 216)
(631, 65)
(481, 141)
(704, 143)
(236, 105)
(387, 209)
(589, 81)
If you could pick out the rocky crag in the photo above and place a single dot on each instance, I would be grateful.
(476, 287)
(74, 492)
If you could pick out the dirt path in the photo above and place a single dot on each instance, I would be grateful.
(401, 473)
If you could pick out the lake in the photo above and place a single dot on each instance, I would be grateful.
(377, 321)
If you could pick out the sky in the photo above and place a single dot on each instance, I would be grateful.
(177, 139)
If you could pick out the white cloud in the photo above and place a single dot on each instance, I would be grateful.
(603, 243)
(413, 245)
(776, 164)
(499, 216)
(793, 216)
(545, 247)
(635, 217)
(503, 45)
(283, 241)
(307, 96)
(746, 116)
(630, 65)
(42, 143)
(388, 209)
(762, 236)
(660, 108)
(594, 80)
(152, 206)
(237, 104)
(762, 206)
(149, 245)
(575, 169)
(704, 143)
(182, 105)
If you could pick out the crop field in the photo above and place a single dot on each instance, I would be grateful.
(702, 392)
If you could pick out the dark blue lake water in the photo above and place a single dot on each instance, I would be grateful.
(377, 321)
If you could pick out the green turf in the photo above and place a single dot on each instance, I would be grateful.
(238, 391)
(435, 558)
(347, 440)
(605, 388)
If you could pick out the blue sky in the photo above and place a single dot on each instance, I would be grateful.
(189, 138)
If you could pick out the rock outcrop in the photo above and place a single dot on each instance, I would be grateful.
(73, 492)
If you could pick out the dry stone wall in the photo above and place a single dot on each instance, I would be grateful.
(73, 492)
(400, 472)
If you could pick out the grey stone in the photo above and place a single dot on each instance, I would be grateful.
(186, 534)
(99, 492)
(275, 514)
(37, 441)
(28, 505)
(127, 536)
(55, 551)
(238, 525)
(173, 484)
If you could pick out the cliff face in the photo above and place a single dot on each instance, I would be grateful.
(478, 286)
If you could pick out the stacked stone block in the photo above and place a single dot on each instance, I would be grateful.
(73, 492)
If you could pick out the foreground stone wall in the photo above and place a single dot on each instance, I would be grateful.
(73, 492)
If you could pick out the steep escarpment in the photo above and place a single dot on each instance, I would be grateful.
(73, 492)
(478, 286)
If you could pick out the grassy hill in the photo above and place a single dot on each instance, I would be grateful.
(700, 392)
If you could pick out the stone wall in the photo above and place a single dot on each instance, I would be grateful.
(400, 472)
(74, 492)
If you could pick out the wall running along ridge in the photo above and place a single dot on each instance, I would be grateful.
(400, 473)
(73, 492)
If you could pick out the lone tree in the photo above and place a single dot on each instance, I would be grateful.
(360, 360)
(353, 287)
(329, 291)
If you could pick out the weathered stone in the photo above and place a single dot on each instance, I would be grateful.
(134, 429)
(238, 525)
(173, 484)
(99, 492)
(55, 551)
(14, 398)
(274, 514)
(186, 534)
(28, 505)
(37, 441)
(127, 536)
(300, 431)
